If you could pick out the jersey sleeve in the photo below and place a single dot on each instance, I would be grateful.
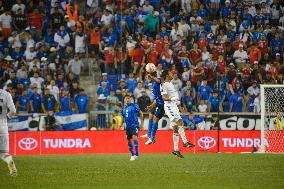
(137, 109)
(10, 105)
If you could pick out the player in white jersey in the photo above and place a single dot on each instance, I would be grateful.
(171, 98)
(7, 109)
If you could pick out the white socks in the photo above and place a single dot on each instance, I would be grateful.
(175, 139)
(6, 157)
(182, 134)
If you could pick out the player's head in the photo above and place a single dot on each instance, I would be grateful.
(166, 75)
(151, 75)
(127, 99)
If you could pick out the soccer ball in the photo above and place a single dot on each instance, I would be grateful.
(150, 68)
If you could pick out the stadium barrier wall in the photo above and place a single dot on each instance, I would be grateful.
(228, 120)
(110, 142)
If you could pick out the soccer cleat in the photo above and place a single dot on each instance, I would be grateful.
(178, 154)
(188, 145)
(149, 141)
(144, 136)
(132, 158)
(136, 157)
(12, 169)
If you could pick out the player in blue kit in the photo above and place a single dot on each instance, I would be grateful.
(157, 108)
(130, 113)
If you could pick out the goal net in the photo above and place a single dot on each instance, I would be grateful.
(272, 114)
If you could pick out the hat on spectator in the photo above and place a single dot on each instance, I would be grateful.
(227, 1)
(104, 74)
(156, 13)
(9, 58)
(241, 45)
(255, 62)
(101, 97)
(277, 54)
(232, 64)
(53, 49)
(43, 59)
(255, 81)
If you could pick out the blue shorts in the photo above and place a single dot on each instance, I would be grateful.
(159, 111)
(132, 131)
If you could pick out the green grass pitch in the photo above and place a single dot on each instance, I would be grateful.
(151, 171)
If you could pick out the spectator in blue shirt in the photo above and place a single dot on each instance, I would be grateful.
(226, 11)
(236, 102)
(101, 106)
(65, 101)
(35, 100)
(188, 101)
(22, 104)
(131, 83)
(204, 90)
(81, 101)
(215, 103)
(48, 102)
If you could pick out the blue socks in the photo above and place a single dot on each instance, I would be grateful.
(136, 147)
(130, 147)
(150, 126)
(154, 130)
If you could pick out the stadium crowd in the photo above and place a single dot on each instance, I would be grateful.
(219, 51)
(41, 43)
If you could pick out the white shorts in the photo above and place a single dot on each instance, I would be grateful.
(4, 143)
(173, 113)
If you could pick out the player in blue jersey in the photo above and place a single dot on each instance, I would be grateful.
(157, 108)
(130, 113)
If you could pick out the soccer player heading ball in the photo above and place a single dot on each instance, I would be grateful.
(6, 103)
(171, 99)
(130, 113)
(156, 109)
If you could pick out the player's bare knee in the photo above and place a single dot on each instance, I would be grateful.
(180, 122)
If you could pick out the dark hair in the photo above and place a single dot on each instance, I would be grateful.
(164, 74)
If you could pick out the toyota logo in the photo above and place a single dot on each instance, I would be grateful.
(206, 142)
(27, 144)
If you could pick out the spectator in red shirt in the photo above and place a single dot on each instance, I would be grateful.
(197, 73)
(138, 58)
(152, 55)
(263, 45)
(159, 44)
(120, 61)
(110, 60)
(195, 54)
(221, 64)
(254, 54)
(35, 19)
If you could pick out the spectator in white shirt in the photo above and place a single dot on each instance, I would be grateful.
(240, 55)
(76, 66)
(14, 40)
(38, 81)
(253, 90)
(80, 41)
(30, 53)
(138, 90)
(61, 37)
(54, 90)
(107, 18)
(148, 8)
(6, 24)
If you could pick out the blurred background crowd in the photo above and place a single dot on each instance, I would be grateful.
(218, 50)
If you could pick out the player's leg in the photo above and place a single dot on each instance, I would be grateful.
(148, 135)
(130, 145)
(170, 113)
(176, 151)
(159, 113)
(135, 141)
(5, 156)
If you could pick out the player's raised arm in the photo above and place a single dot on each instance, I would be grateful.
(10, 105)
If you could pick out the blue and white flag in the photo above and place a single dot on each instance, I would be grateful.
(70, 121)
(18, 123)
